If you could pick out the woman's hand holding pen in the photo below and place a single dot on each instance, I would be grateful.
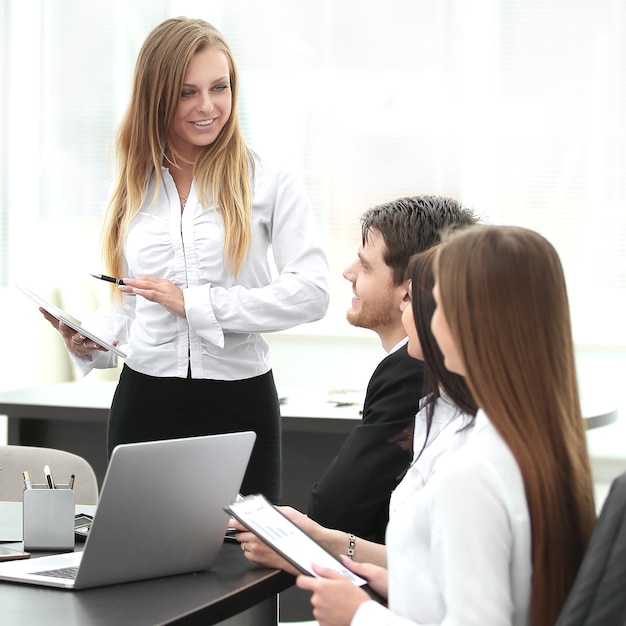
(159, 290)
(75, 342)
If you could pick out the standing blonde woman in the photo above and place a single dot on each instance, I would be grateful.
(497, 534)
(192, 216)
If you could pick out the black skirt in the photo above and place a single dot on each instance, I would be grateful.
(148, 408)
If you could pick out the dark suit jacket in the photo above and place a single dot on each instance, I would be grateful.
(353, 494)
(598, 597)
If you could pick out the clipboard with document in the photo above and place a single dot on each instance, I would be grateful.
(70, 321)
(262, 518)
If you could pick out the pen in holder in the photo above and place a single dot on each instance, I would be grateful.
(48, 518)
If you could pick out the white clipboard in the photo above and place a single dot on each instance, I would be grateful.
(70, 321)
(262, 518)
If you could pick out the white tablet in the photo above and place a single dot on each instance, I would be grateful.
(72, 322)
(262, 518)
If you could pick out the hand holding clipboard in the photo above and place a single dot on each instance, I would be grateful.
(263, 519)
(70, 321)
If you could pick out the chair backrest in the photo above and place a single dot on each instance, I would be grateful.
(16, 459)
(598, 596)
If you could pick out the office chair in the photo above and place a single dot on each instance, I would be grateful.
(598, 596)
(15, 459)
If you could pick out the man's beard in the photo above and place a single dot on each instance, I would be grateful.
(370, 317)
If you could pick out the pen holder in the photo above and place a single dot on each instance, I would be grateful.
(48, 518)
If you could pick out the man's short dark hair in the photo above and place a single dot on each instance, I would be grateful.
(411, 225)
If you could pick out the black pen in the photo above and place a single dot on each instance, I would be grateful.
(109, 279)
(71, 483)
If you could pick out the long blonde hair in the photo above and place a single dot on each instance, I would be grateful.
(222, 170)
(504, 296)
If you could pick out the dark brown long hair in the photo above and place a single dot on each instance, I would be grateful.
(437, 378)
(504, 296)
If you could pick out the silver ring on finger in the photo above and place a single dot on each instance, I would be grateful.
(76, 342)
(85, 344)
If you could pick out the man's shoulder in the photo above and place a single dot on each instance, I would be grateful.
(394, 389)
(401, 362)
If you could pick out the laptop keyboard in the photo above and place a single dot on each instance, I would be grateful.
(62, 572)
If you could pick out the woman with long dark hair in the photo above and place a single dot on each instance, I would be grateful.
(497, 534)
(442, 425)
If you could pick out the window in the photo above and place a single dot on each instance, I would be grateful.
(4, 232)
(515, 108)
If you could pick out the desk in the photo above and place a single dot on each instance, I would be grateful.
(596, 415)
(73, 416)
(303, 410)
(232, 586)
(89, 402)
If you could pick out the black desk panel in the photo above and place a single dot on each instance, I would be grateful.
(230, 588)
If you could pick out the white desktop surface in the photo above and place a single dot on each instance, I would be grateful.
(90, 401)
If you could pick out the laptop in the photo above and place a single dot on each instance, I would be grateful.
(160, 513)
